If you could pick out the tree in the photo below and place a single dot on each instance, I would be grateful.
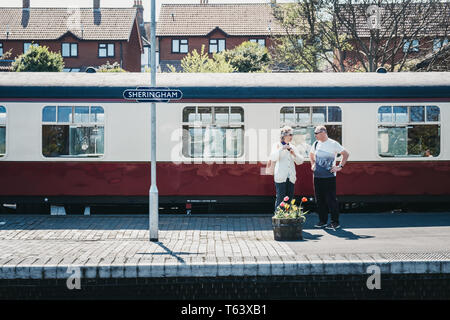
(248, 57)
(6, 55)
(115, 67)
(38, 59)
(350, 35)
(312, 42)
(201, 63)
(3, 60)
(390, 33)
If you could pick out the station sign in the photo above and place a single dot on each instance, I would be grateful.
(149, 94)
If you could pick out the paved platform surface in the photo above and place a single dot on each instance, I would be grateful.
(44, 247)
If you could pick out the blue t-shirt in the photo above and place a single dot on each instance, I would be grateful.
(325, 154)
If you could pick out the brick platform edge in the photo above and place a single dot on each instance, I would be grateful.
(325, 265)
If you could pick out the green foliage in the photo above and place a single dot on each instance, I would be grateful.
(115, 67)
(38, 59)
(201, 63)
(312, 42)
(6, 55)
(248, 57)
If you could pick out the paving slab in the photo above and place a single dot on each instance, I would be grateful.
(115, 246)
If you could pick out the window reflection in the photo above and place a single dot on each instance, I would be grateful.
(69, 131)
(400, 135)
(216, 132)
(304, 119)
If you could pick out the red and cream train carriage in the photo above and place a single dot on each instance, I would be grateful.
(70, 139)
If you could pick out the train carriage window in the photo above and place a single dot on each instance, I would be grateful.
(216, 132)
(319, 115)
(73, 131)
(409, 131)
(2, 131)
(97, 115)
(304, 119)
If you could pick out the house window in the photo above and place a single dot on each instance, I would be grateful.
(411, 46)
(70, 50)
(105, 50)
(304, 119)
(1, 49)
(27, 46)
(409, 131)
(216, 45)
(69, 131)
(439, 43)
(213, 132)
(71, 69)
(261, 42)
(180, 46)
(2, 131)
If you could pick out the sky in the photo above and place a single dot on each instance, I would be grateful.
(117, 3)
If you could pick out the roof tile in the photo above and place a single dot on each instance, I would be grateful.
(233, 19)
(52, 23)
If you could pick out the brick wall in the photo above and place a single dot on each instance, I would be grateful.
(393, 286)
(195, 43)
(88, 51)
(425, 47)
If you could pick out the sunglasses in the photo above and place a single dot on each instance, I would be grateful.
(318, 132)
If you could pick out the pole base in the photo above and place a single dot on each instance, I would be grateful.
(154, 239)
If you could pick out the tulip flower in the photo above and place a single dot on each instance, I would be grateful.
(293, 201)
(304, 199)
(282, 204)
(286, 198)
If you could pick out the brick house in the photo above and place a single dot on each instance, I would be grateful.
(84, 36)
(183, 28)
(416, 37)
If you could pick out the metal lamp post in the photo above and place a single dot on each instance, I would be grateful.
(153, 192)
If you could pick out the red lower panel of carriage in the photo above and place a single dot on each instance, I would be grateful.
(133, 179)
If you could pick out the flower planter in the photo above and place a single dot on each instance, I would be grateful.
(287, 229)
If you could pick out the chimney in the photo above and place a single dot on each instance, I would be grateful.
(140, 17)
(96, 4)
(203, 1)
(26, 4)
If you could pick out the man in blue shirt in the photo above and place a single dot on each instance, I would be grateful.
(323, 163)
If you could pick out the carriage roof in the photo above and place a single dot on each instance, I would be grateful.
(230, 85)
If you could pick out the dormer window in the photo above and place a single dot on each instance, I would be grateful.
(69, 50)
(216, 45)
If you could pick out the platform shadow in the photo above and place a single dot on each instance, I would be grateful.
(345, 234)
(309, 236)
(169, 252)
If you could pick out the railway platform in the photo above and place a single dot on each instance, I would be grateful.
(114, 250)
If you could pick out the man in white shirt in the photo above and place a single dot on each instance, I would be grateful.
(286, 156)
(323, 163)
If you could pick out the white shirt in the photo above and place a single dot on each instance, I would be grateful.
(285, 163)
(325, 155)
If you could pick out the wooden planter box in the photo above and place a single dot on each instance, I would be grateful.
(287, 229)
